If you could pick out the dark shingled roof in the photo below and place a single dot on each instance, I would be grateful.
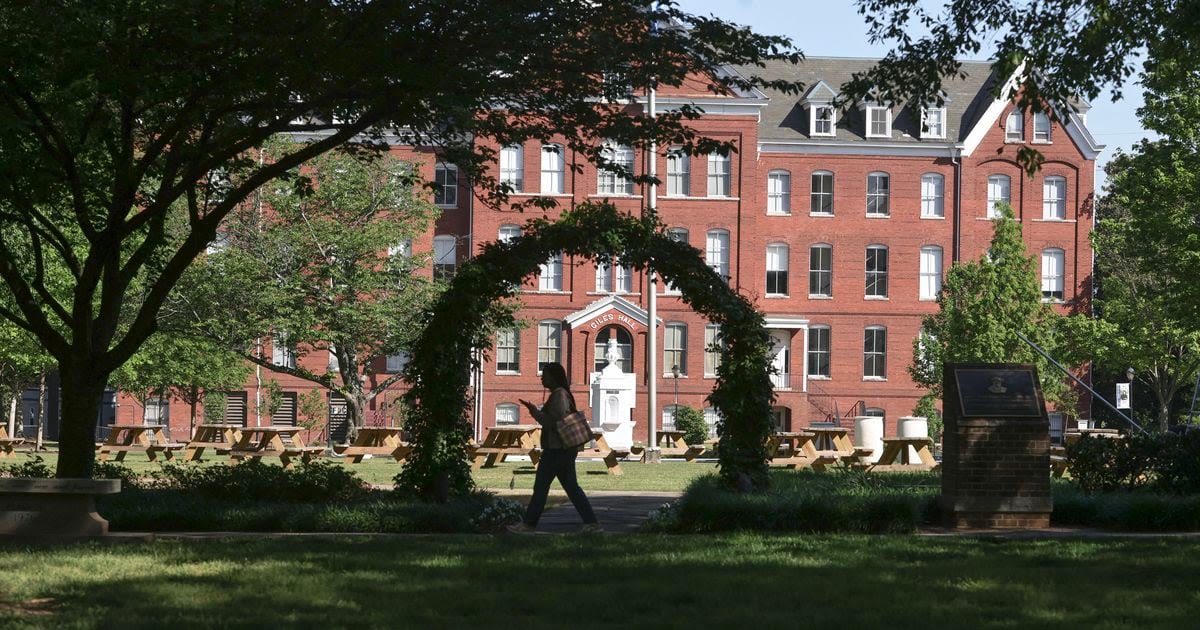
(785, 118)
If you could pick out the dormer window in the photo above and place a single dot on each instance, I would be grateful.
(879, 121)
(933, 122)
(822, 117)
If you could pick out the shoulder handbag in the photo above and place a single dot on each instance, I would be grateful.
(573, 429)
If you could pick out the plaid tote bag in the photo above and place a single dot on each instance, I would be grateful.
(574, 429)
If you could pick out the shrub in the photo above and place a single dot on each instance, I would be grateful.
(33, 467)
(691, 421)
(316, 480)
(1165, 462)
(110, 470)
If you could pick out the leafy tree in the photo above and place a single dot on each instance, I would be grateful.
(311, 409)
(129, 131)
(1067, 48)
(325, 270)
(22, 363)
(691, 421)
(983, 304)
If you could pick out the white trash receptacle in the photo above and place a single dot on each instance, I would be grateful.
(868, 433)
(913, 427)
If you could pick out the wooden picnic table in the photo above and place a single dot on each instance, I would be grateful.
(793, 448)
(282, 441)
(612, 457)
(896, 457)
(672, 444)
(150, 439)
(834, 443)
(507, 439)
(381, 441)
(7, 443)
(219, 437)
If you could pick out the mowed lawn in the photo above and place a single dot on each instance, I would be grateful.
(742, 581)
(669, 476)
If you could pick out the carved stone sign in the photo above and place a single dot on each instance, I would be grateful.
(610, 317)
(998, 393)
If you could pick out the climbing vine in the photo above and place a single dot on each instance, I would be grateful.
(458, 327)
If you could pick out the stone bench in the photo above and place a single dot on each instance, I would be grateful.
(53, 509)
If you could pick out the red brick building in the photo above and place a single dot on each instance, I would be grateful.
(838, 224)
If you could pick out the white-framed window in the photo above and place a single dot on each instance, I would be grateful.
(507, 413)
(550, 276)
(823, 119)
(397, 362)
(821, 197)
(1053, 262)
(1041, 127)
(933, 195)
(719, 174)
(678, 173)
(712, 350)
(549, 343)
(668, 417)
(1014, 126)
(777, 269)
(445, 179)
(818, 351)
(334, 364)
(552, 169)
(675, 348)
(283, 353)
(879, 122)
(779, 192)
(508, 233)
(711, 417)
(680, 235)
(624, 348)
(512, 167)
(879, 194)
(157, 410)
(445, 257)
(402, 249)
(610, 182)
(931, 272)
(875, 352)
(614, 278)
(508, 351)
(933, 122)
(877, 271)
(716, 251)
(999, 188)
(1054, 198)
(820, 270)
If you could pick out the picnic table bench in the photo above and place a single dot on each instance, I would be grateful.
(283, 442)
(219, 437)
(612, 457)
(794, 449)
(896, 456)
(672, 444)
(504, 440)
(8, 443)
(150, 439)
(833, 445)
(381, 441)
(1058, 454)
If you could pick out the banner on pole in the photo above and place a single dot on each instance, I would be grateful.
(1123, 400)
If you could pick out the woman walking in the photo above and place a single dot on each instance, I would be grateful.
(557, 460)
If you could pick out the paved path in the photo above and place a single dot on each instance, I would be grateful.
(618, 512)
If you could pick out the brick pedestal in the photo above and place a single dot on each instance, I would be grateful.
(995, 471)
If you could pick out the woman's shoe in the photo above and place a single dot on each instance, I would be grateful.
(521, 528)
(591, 528)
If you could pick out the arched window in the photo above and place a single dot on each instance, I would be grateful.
(779, 192)
(877, 271)
(551, 276)
(719, 174)
(549, 343)
(624, 348)
(1014, 127)
(777, 269)
(716, 251)
(668, 417)
(712, 350)
(613, 278)
(1041, 127)
(552, 169)
(818, 351)
(875, 353)
(711, 417)
(512, 167)
(999, 188)
(1053, 260)
(610, 182)
(931, 272)
(675, 348)
(507, 413)
(879, 193)
(933, 192)
(508, 351)
(820, 270)
(1054, 198)
(445, 257)
(678, 173)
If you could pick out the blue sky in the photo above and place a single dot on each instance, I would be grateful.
(834, 28)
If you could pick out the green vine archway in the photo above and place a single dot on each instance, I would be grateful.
(458, 326)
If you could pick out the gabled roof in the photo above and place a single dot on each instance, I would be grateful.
(610, 302)
(820, 92)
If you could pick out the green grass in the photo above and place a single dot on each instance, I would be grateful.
(605, 582)
(666, 477)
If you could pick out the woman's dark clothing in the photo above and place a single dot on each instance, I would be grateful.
(556, 461)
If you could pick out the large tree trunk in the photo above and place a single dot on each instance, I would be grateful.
(12, 415)
(82, 391)
(356, 403)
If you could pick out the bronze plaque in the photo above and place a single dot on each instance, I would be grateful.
(997, 393)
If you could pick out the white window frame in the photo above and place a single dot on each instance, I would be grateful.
(282, 352)
(720, 174)
(550, 274)
(668, 416)
(157, 410)
(999, 188)
(1014, 126)
(677, 234)
(815, 273)
(674, 348)
(815, 196)
(1042, 129)
(876, 277)
(508, 342)
(610, 183)
(510, 413)
(553, 165)
(445, 178)
(716, 251)
(779, 192)
(1054, 198)
(873, 112)
(777, 262)
(1054, 261)
(712, 350)
(445, 248)
(884, 198)
(871, 348)
(512, 167)
(933, 196)
(931, 131)
(614, 277)
(402, 249)
(549, 343)
(508, 233)
(816, 121)
(711, 418)
(930, 272)
(815, 350)
(678, 173)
